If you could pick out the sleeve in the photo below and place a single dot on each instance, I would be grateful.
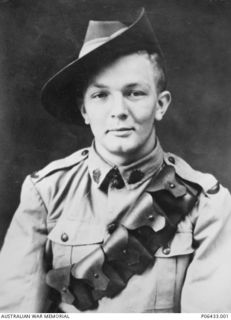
(22, 266)
(207, 286)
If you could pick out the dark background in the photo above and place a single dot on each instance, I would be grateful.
(37, 37)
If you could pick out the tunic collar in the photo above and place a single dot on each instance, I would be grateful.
(131, 175)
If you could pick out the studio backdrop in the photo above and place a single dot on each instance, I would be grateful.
(38, 37)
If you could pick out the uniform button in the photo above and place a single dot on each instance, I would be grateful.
(171, 159)
(111, 227)
(124, 251)
(34, 175)
(64, 289)
(151, 217)
(117, 183)
(171, 185)
(166, 250)
(116, 179)
(96, 275)
(84, 152)
(64, 237)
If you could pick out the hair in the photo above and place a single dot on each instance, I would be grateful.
(158, 65)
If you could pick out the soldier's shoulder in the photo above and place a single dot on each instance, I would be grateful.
(61, 164)
(207, 181)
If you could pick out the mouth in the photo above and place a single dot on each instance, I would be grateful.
(123, 132)
(123, 129)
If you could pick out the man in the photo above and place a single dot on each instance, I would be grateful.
(120, 226)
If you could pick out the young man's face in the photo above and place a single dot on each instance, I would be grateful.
(121, 104)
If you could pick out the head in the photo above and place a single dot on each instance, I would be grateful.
(125, 91)
(121, 103)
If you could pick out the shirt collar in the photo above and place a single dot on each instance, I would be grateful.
(133, 174)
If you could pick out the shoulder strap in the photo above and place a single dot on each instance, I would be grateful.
(205, 180)
(61, 164)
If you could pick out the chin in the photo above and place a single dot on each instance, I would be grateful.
(123, 149)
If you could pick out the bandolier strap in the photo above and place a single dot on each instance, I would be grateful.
(130, 249)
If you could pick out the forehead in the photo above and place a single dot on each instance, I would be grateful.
(133, 68)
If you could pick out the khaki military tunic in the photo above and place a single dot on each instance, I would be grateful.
(66, 212)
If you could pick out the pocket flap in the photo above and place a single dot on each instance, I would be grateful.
(69, 232)
(180, 245)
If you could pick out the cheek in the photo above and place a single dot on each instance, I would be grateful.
(144, 116)
(97, 121)
(95, 115)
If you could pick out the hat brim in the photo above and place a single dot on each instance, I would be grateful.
(59, 94)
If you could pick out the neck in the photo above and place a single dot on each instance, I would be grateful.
(126, 158)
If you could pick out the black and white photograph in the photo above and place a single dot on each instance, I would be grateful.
(115, 139)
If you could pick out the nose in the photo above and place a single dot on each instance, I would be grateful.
(118, 107)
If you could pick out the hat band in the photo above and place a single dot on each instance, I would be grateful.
(91, 45)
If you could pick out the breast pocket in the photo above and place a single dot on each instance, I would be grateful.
(170, 269)
(72, 241)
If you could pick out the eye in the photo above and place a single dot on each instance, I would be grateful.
(135, 93)
(99, 95)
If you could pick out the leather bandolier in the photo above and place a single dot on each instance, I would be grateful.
(130, 249)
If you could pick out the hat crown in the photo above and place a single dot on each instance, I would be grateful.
(99, 32)
(101, 29)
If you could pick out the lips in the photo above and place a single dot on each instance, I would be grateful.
(120, 129)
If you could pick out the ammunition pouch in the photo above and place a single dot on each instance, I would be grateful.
(131, 247)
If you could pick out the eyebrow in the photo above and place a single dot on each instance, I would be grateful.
(135, 84)
(99, 85)
(129, 85)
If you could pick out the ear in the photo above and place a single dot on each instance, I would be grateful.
(84, 114)
(163, 102)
